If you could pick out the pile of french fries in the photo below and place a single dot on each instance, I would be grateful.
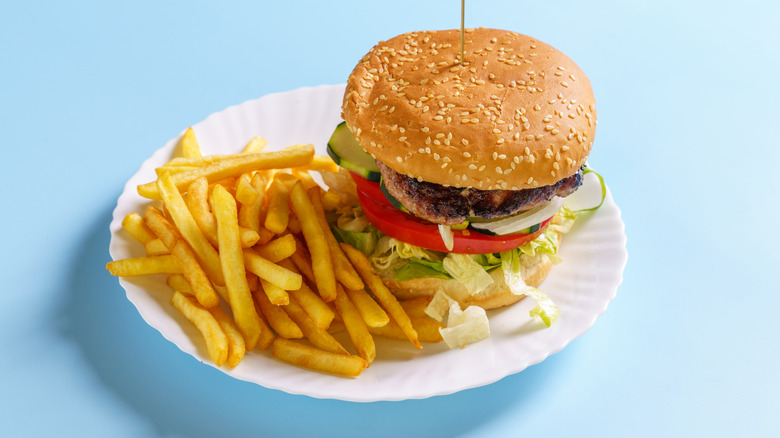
(252, 262)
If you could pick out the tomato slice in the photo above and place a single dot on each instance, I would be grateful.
(403, 226)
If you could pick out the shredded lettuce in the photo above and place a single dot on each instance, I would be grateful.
(418, 268)
(546, 243)
(469, 273)
(513, 276)
(389, 250)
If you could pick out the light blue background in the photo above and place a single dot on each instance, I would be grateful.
(687, 95)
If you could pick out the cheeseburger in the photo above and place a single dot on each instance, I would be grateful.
(462, 166)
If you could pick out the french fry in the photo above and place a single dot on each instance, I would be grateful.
(277, 318)
(248, 237)
(198, 203)
(302, 260)
(162, 228)
(191, 268)
(343, 269)
(173, 169)
(199, 282)
(235, 165)
(249, 215)
(305, 177)
(427, 330)
(331, 200)
(236, 345)
(415, 307)
(278, 212)
(356, 327)
(245, 193)
(317, 309)
(320, 163)
(133, 223)
(322, 264)
(372, 313)
(231, 258)
(177, 282)
(381, 292)
(271, 272)
(257, 144)
(293, 225)
(305, 356)
(277, 249)
(189, 145)
(275, 294)
(156, 247)
(316, 335)
(135, 266)
(189, 229)
(216, 340)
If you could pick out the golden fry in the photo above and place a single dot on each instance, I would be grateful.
(271, 272)
(235, 165)
(320, 163)
(179, 283)
(344, 271)
(135, 266)
(316, 335)
(331, 200)
(370, 310)
(231, 258)
(156, 247)
(199, 282)
(189, 229)
(381, 292)
(248, 237)
(133, 223)
(427, 330)
(198, 203)
(189, 145)
(317, 309)
(277, 249)
(322, 264)
(236, 345)
(278, 212)
(251, 215)
(216, 340)
(257, 144)
(302, 260)
(277, 318)
(245, 193)
(415, 307)
(356, 327)
(162, 228)
(305, 356)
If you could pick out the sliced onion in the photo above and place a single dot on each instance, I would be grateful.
(446, 235)
(590, 195)
(523, 220)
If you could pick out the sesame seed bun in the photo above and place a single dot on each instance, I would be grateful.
(518, 114)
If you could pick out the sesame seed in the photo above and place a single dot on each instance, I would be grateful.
(399, 159)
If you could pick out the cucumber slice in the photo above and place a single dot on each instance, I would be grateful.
(520, 223)
(347, 153)
(390, 198)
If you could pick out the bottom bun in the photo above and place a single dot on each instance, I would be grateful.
(497, 294)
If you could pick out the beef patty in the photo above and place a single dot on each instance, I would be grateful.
(451, 205)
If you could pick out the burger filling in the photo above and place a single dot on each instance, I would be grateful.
(452, 205)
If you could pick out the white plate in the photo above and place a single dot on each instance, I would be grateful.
(582, 286)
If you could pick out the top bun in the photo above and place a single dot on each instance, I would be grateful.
(517, 114)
